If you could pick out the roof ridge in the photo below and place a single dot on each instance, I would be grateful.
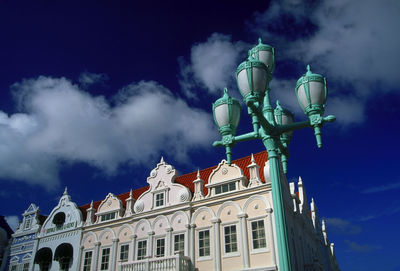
(180, 177)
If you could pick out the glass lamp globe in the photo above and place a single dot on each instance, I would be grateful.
(283, 117)
(252, 78)
(264, 53)
(311, 92)
(226, 111)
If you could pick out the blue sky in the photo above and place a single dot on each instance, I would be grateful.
(93, 93)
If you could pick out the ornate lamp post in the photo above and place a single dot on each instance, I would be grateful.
(273, 126)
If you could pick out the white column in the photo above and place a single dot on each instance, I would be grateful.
(133, 245)
(192, 243)
(271, 235)
(217, 244)
(150, 246)
(114, 253)
(96, 255)
(186, 250)
(79, 261)
(168, 245)
(244, 240)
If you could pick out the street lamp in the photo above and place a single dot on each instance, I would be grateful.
(273, 126)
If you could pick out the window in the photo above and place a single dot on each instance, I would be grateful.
(225, 188)
(64, 263)
(105, 259)
(28, 222)
(204, 243)
(258, 234)
(179, 243)
(159, 199)
(160, 247)
(59, 219)
(87, 262)
(108, 216)
(141, 249)
(25, 267)
(230, 239)
(13, 268)
(124, 252)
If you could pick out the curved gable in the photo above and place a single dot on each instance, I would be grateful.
(163, 190)
(72, 217)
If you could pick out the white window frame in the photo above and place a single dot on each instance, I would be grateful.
(162, 193)
(105, 214)
(137, 249)
(84, 258)
(120, 250)
(155, 246)
(235, 253)
(228, 186)
(208, 257)
(258, 250)
(109, 258)
(173, 241)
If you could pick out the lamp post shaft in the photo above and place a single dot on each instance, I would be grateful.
(279, 205)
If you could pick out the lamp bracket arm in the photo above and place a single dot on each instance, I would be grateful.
(246, 137)
(293, 126)
(268, 127)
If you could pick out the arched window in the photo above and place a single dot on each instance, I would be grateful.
(63, 255)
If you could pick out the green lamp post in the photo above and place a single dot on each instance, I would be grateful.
(273, 126)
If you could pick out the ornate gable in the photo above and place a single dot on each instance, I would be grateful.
(111, 207)
(30, 219)
(225, 174)
(163, 190)
(65, 216)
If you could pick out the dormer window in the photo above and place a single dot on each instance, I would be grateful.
(227, 187)
(107, 217)
(159, 199)
(28, 222)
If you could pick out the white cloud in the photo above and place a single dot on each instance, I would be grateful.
(12, 221)
(381, 188)
(212, 65)
(354, 43)
(87, 78)
(63, 123)
(361, 248)
(341, 226)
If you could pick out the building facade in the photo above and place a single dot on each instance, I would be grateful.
(24, 240)
(219, 218)
(59, 238)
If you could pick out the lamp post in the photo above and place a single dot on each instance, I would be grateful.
(273, 126)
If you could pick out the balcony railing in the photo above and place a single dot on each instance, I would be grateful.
(169, 263)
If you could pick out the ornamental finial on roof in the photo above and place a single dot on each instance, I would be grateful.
(162, 160)
(300, 182)
(198, 174)
(91, 204)
(252, 158)
(130, 193)
(65, 191)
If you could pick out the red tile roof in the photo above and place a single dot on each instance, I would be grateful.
(187, 179)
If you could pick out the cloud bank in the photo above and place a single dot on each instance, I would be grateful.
(62, 123)
(212, 65)
(353, 43)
